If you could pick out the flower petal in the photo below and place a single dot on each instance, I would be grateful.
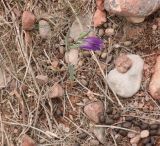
(92, 43)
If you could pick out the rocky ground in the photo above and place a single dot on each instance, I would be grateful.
(52, 93)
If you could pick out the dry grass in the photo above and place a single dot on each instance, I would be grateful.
(24, 105)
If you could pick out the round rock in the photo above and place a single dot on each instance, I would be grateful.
(144, 133)
(129, 118)
(127, 125)
(153, 126)
(153, 132)
(123, 132)
(127, 84)
(101, 32)
(144, 126)
(146, 140)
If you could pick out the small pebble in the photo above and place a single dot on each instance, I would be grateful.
(144, 126)
(153, 126)
(127, 125)
(116, 116)
(127, 43)
(70, 40)
(44, 29)
(154, 27)
(135, 139)
(101, 32)
(103, 55)
(123, 132)
(158, 132)
(109, 31)
(105, 25)
(109, 121)
(131, 134)
(153, 132)
(82, 135)
(144, 133)
(146, 140)
(129, 118)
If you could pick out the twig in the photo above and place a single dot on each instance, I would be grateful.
(28, 126)
(70, 101)
(115, 127)
(78, 126)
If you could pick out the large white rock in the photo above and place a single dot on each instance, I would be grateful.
(127, 84)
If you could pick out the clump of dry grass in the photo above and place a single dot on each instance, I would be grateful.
(29, 110)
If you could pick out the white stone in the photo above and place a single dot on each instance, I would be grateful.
(127, 84)
(144, 133)
(71, 57)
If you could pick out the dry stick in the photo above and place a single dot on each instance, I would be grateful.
(11, 62)
(95, 59)
(70, 101)
(88, 88)
(78, 127)
(80, 24)
(20, 99)
(2, 131)
(103, 92)
(154, 102)
(114, 139)
(28, 126)
(115, 127)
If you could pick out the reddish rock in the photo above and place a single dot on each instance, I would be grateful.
(132, 7)
(123, 63)
(28, 141)
(154, 86)
(94, 110)
(99, 18)
(137, 10)
(28, 20)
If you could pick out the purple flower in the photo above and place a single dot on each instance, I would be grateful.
(92, 43)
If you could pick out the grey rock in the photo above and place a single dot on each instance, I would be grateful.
(127, 84)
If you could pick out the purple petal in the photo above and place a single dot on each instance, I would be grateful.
(92, 43)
